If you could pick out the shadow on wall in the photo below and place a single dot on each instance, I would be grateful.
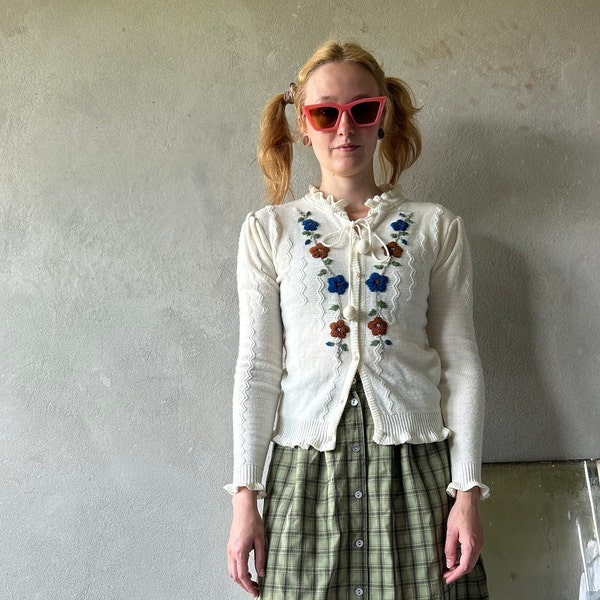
(520, 420)
(530, 198)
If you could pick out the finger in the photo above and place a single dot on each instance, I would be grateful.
(238, 571)
(468, 559)
(259, 557)
(450, 548)
(455, 573)
(245, 580)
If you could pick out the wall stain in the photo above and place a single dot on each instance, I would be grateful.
(12, 24)
(505, 54)
(428, 53)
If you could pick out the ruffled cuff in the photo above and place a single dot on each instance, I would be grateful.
(246, 477)
(232, 488)
(454, 486)
(466, 477)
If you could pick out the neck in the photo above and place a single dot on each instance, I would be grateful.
(355, 193)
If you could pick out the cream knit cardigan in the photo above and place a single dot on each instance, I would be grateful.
(322, 298)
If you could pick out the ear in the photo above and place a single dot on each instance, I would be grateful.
(301, 122)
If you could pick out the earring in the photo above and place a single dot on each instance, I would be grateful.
(306, 141)
(380, 134)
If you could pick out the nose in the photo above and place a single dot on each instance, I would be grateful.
(346, 123)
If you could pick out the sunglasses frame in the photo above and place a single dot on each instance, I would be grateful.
(342, 108)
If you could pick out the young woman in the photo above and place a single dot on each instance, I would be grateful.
(357, 359)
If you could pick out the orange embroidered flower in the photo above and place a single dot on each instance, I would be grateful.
(319, 251)
(395, 249)
(339, 329)
(377, 326)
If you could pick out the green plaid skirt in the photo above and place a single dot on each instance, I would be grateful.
(363, 521)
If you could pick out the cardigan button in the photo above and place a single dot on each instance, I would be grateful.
(363, 246)
(349, 313)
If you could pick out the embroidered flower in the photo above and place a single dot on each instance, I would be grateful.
(377, 282)
(394, 249)
(320, 251)
(378, 326)
(400, 225)
(309, 225)
(337, 284)
(339, 329)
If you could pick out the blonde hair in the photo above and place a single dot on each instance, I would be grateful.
(398, 150)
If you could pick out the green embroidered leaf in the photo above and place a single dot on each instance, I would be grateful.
(317, 236)
(395, 235)
(375, 343)
(306, 232)
(322, 272)
(334, 307)
(344, 347)
(395, 264)
(327, 261)
(378, 267)
(300, 219)
(381, 304)
(372, 313)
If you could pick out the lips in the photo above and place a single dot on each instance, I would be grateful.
(347, 147)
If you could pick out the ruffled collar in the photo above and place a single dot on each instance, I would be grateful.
(374, 204)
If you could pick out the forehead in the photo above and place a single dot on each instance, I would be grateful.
(340, 82)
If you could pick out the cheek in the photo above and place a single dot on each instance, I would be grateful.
(374, 137)
(320, 139)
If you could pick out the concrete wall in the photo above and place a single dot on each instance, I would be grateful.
(127, 147)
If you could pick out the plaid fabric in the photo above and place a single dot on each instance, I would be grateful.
(363, 521)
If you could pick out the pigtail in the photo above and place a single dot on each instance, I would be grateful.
(275, 149)
(401, 145)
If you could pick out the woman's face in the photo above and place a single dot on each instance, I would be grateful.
(348, 150)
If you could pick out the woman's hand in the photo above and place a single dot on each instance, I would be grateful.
(247, 534)
(464, 530)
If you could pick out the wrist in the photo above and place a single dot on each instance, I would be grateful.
(471, 496)
(244, 498)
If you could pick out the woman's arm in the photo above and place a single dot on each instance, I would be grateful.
(451, 332)
(256, 393)
(257, 381)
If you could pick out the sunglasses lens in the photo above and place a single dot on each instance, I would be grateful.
(324, 117)
(365, 113)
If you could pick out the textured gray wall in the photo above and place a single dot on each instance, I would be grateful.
(127, 142)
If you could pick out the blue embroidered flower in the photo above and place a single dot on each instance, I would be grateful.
(309, 225)
(377, 282)
(337, 284)
(399, 225)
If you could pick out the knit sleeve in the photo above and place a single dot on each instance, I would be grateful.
(259, 364)
(451, 332)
